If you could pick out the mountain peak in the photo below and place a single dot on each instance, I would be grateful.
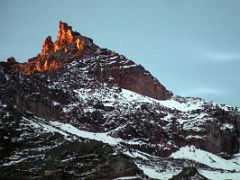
(101, 64)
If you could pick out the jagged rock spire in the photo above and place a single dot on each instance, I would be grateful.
(47, 46)
(67, 40)
(65, 32)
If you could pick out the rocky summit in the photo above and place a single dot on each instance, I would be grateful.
(79, 111)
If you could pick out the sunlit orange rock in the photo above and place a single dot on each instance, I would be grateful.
(41, 66)
(67, 40)
(68, 44)
(38, 66)
(47, 46)
(65, 32)
(54, 65)
(64, 37)
(45, 66)
(26, 69)
(79, 44)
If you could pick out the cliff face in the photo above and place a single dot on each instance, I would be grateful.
(135, 78)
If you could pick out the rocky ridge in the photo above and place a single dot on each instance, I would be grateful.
(74, 90)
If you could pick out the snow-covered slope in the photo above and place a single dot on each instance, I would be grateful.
(223, 168)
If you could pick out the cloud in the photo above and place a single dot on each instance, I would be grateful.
(204, 92)
(215, 54)
(223, 56)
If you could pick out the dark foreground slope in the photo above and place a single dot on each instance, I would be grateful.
(31, 149)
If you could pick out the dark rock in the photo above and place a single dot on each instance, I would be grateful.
(97, 115)
(189, 173)
(60, 158)
(221, 139)
(11, 60)
(135, 78)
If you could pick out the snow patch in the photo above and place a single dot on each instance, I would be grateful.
(181, 106)
(45, 127)
(204, 157)
(226, 126)
(127, 177)
(155, 173)
(216, 175)
(171, 103)
(86, 134)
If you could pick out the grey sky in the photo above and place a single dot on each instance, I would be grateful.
(191, 46)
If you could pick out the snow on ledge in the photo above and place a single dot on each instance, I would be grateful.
(130, 97)
(155, 173)
(126, 178)
(204, 157)
(215, 175)
(170, 103)
(86, 134)
(103, 137)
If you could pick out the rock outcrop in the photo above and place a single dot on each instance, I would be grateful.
(39, 105)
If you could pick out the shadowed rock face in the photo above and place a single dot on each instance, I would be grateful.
(135, 78)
